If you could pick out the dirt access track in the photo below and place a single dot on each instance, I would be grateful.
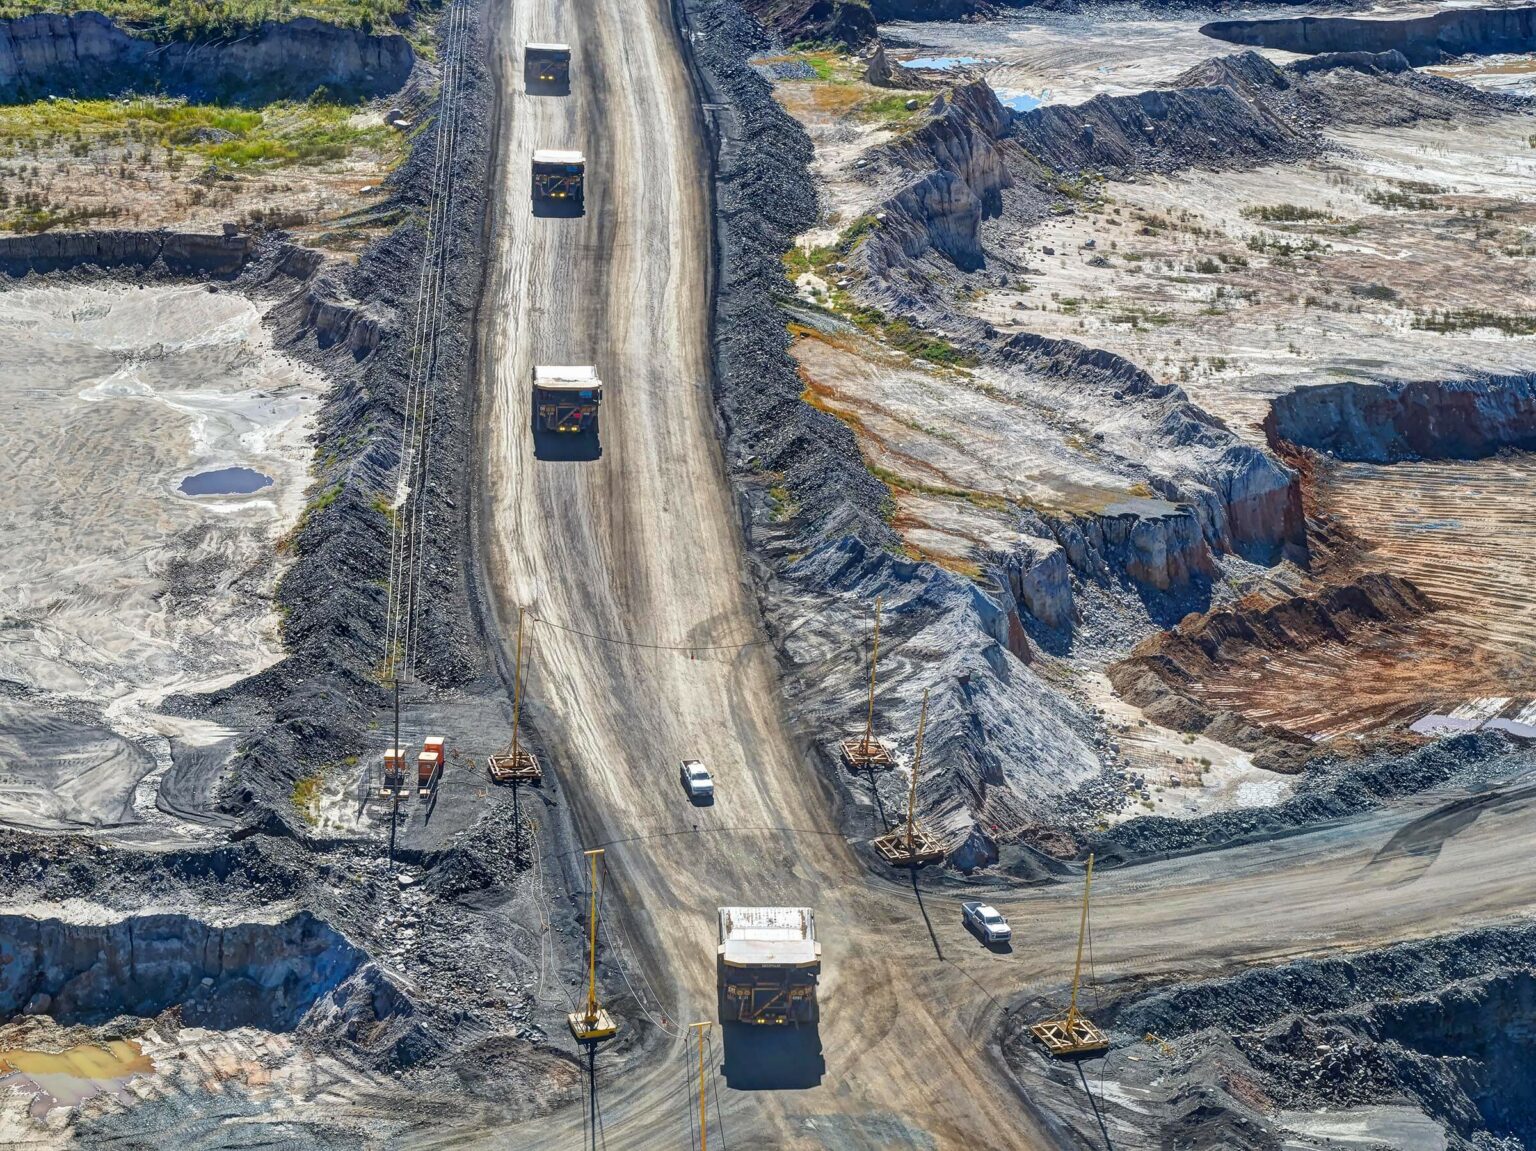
(641, 544)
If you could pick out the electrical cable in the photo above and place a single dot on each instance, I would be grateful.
(616, 641)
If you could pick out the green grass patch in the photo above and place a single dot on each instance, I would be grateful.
(798, 261)
(306, 797)
(1403, 199)
(891, 109)
(903, 336)
(185, 19)
(175, 133)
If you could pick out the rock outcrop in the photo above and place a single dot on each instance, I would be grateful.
(246, 974)
(1424, 419)
(181, 253)
(1421, 40)
(85, 55)
(1037, 574)
(965, 172)
(1163, 674)
(848, 23)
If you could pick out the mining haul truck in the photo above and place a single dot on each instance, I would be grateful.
(566, 399)
(558, 176)
(768, 963)
(547, 64)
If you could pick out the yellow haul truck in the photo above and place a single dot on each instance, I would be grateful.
(566, 398)
(559, 179)
(768, 963)
(548, 65)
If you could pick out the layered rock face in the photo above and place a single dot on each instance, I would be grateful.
(846, 22)
(1165, 674)
(965, 173)
(1423, 40)
(248, 974)
(1383, 423)
(182, 253)
(86, 55)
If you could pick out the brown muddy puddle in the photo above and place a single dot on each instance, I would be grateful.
(68, 1078)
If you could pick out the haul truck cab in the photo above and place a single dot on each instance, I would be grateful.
(566, 398)
(547, 66)
(558, 179)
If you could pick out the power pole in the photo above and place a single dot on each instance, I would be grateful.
(701, 1028)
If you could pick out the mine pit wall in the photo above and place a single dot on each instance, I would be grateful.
(1422, 40)
(189, 254)
(1389, 422)
(241, 975)
(1001, 723)
(87, 56)
(1448, 1023)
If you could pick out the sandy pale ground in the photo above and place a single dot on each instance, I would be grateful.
(116, 589)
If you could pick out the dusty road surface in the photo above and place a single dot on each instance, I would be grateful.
(639, 544)
(642, 543)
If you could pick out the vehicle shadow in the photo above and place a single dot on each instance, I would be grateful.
(700, 800)
(567, 447)
(767, 1058)
(558, 209)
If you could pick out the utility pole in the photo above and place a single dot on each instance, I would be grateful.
(394, 808)
(701, 1028)
(917, 762)
(874, 658)
(1074, 1033)
(915, 846)
(867, 753)
(594, 1024)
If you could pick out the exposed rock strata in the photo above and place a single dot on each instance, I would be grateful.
(1163, 674)
(85, 55)
(1422, 40)
(1004, 747)
(1422, 419)
(247, 974)
(179, 253)
(848, 23)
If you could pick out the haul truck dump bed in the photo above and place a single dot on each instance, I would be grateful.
(769, 962)
(565, 399)
(558, 177)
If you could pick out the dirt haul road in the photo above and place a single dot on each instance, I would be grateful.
(641, 543)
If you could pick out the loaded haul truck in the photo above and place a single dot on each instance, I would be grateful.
(559, 178)
(768, 963)
(565, 399)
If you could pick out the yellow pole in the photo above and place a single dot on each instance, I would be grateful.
(517, 685)
(1082, 931)
(703, 1112)
(917, 761)
(869, 722)
(592, 943)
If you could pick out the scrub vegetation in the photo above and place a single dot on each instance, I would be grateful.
(188, 19)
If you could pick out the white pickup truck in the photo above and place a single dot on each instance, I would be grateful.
(696, 780)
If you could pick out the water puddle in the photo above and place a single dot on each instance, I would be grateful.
(225, 482)
(942, 63)
(1020, 101)
(69, 1078)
